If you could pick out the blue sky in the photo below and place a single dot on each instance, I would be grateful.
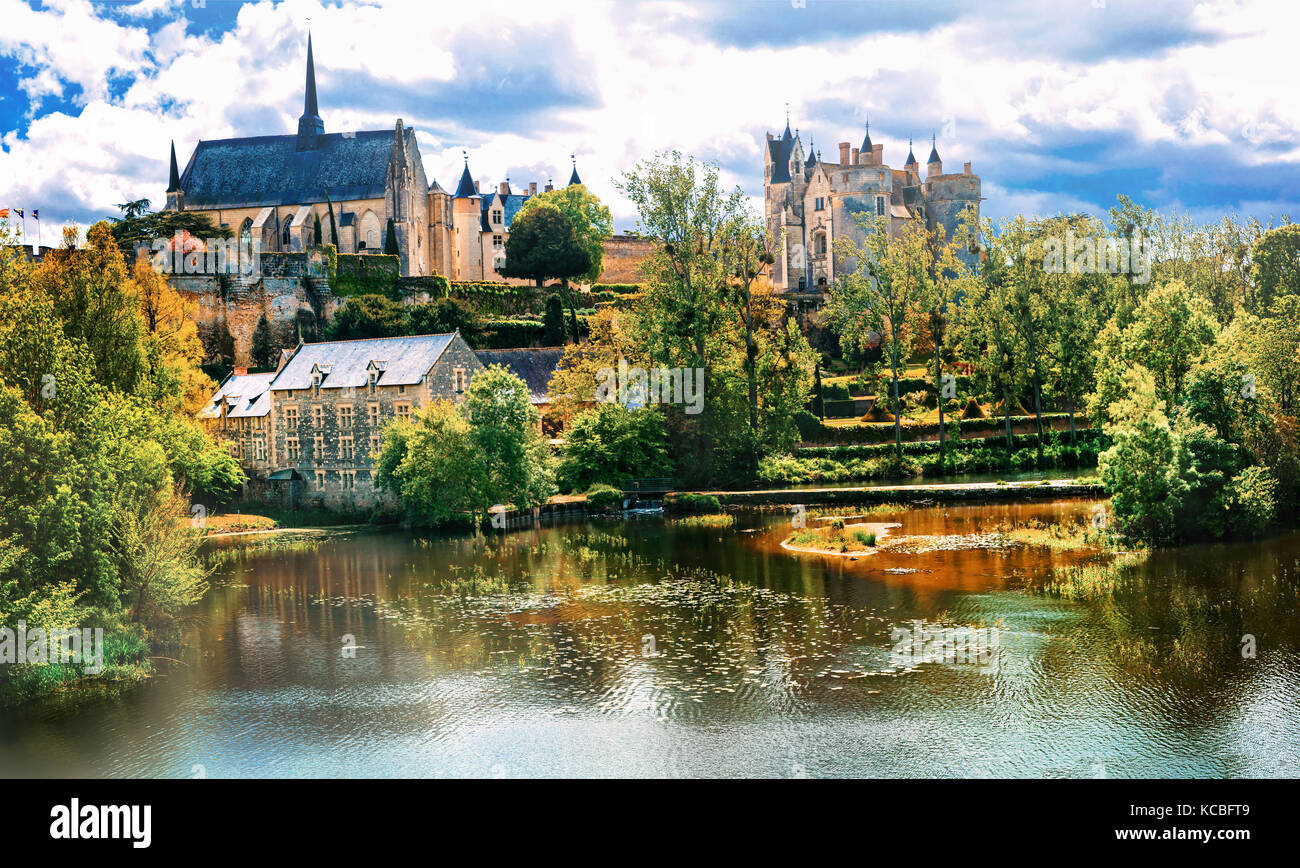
(1181, 105)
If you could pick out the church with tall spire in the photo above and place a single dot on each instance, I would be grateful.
(811, 202)
(282, 190)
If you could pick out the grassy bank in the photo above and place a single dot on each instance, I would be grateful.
(125, 660)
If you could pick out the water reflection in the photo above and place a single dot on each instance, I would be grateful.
(645, 648)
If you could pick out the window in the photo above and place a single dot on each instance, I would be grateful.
(345, 416)
(345, 448)
(819, 243)
(373, 381)
(496, 216)
(315, 383)
(292, 448)
(318, 447)
(291, 418)
(497, 241)
(819, 204)
(320, 479)
(287, 236)
(373, 410)
(880, 206)
(401, 390)
(458, 379)
(403, 412)
(246, 238)
(374, 443)
(259, 447)
(317, 416)
(349, 479)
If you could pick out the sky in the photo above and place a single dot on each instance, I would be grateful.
(1060, 107)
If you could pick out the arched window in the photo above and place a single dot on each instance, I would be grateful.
(288, 222)
(246, 237)
(819, 242)
(370, 239)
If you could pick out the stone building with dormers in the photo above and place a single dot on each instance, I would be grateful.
(239, 414)
(320, 414)
(811, 203)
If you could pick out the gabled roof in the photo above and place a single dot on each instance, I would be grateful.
(510, 206)
(270, 170)
(244, 395)
(345, 363)
(534, 365)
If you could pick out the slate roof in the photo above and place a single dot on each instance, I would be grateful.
(534, 365)
(403, 361)
(245, 395)
(270, 170)
(510, 206)
(779, 151)
(466, 187)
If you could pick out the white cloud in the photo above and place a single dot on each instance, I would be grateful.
(655, 84)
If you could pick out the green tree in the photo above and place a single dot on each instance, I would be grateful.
(554, 329)
(1276, 267)
(592, 222)
(452, 460)
(390, 239)
(609, 444)
(264, 351)
(446, 315)
(368, 316)
(880, 296)
(543, 245)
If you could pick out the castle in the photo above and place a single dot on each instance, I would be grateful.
(277, 190)
(810, 204)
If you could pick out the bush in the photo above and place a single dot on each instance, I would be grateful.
(807, 423)
(508, 334)
(604, 497)
(690, 502)
(608, 444)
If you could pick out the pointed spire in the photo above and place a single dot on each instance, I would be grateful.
(866, 139)
(174, 179)
(934, 149)
(466, 188)
(786, 136)
(310, 125)
(309, 102)
(911, 158)
(574, 179)
(812, 154)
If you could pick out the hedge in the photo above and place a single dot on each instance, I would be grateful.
(364, 274)
(1088, 438)
(505, 334)
(620, 288)
(883, 432)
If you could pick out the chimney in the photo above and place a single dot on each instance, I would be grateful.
(878, 155)
(965, 168)
(844, 153)
(855, 156)
(532, 185)
(478, 187)
(240, 372)
(503, 188)
(549, 187)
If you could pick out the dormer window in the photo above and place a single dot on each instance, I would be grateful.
(496, 216)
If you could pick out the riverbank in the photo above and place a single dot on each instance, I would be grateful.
(919, 494)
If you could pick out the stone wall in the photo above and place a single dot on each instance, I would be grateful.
(623, 257)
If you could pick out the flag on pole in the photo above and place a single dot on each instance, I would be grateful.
(4, 213)
(20, 211)
(36, 215)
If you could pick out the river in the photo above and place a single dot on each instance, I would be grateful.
(652, 648)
